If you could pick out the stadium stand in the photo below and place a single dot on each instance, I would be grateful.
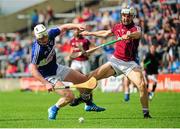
(159, 20)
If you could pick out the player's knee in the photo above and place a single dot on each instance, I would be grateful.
(58, 84)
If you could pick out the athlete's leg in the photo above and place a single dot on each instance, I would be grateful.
(76, 65)
(136, 76)
(154, 80)
(85, 94)
(126, 84)
(76, 77)
(67, 96)
(86, 67)
(102, 72)
(83, 67)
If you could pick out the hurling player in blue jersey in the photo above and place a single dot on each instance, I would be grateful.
(44, 68)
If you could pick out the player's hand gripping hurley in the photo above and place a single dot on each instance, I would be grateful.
(90, 84)
(77, 54)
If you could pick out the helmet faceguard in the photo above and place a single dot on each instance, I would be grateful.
(40, 31)
(41, 34)
(128, 13)
(128, 10)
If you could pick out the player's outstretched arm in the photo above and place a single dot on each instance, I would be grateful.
(101, 33)
(70, 26)
(35, 73)
(134, 35)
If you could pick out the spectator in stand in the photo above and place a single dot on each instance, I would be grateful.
(27, 55)
(41, 17)
(115, 16)
(106, 19)
(16, 57)
(2, 49)
(86, 14)
(2, 62)
(11, 68)
(34, 18)
(50, 15)
(3, 55)
(98, 17)
(172, 52)
(78, 19)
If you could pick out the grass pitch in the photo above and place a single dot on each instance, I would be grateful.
(29, 110)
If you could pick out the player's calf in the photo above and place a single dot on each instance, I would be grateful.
(84, 97)
(87, 99)
(76, 101)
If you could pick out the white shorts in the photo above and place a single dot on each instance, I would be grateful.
(82, 66)
(122, 67)
(61, 73)
(152, 77)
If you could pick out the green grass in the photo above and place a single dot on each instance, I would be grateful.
(29, 110)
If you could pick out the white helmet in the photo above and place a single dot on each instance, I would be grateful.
(40, 31)
(128, 10)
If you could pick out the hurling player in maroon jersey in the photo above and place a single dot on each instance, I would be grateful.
(79, 43)
(123, 59)
(81, 64)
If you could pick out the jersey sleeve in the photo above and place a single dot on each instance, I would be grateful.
(54, 32)
(35, 54)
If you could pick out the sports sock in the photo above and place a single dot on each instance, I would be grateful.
(154, 87)
(126, 92)
(145, 110)
(55, 107)
(87, 98)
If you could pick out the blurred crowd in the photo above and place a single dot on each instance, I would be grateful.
(45, 16)
(14, 54)
(159, 23)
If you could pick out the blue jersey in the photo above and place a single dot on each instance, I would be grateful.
(44, 56)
